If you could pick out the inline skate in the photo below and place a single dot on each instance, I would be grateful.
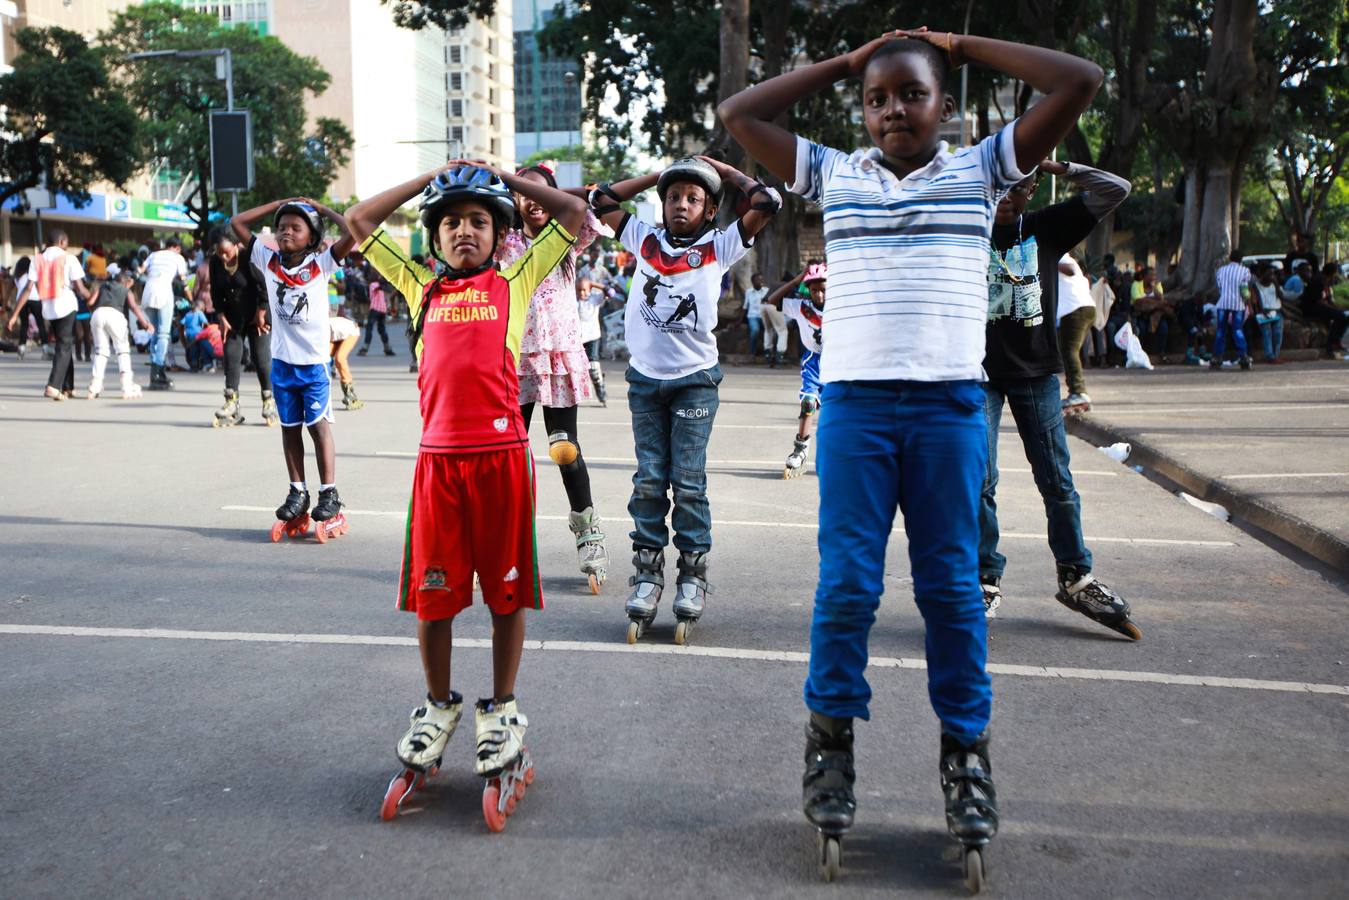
(1081, 592)
(421, 750)
(228, 415)
(647, 584)
(594, 559)
(691, 590)
(971, 802)
(827, 787)
(292, 516)
(503, 759)
(796, 460)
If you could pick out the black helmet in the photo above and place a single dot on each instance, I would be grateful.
(466, 183)
(306, 212)
(694, 170)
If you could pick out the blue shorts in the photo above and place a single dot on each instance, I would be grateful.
(810, 375)
(301, 393)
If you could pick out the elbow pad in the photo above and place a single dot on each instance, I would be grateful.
(769, 203)
(603, 200)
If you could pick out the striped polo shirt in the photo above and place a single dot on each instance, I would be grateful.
(908, 258)
(1231, 279)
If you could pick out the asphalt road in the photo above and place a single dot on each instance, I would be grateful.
(190, 710)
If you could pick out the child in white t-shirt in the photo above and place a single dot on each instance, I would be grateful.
(294, 277)
(673, 372)
(808, 314)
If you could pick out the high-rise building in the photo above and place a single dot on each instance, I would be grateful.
(480, 90)
(548, 87)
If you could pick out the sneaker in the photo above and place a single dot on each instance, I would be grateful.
(1081, 402)
(992, 596)
(388, 351)
(52, 393)
(363, 351)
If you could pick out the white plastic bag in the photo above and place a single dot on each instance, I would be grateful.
(1134, 357)
(1118, 452)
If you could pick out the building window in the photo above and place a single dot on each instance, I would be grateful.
(456, 54)
(456, 109)
(491, 46)
(492, 71)
(492, 96)
(496, 147)
(493, 119)
(457, 133)
(457, 82)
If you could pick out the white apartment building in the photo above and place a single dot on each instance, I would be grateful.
(412, 99)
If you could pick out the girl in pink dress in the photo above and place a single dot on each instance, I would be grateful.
(555, 372)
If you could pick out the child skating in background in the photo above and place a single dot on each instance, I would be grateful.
(111, 302)
(808, 312)
(472, 506)
(294, 278)
(344, 333)
(906, 228)
(554, 370)
(673, 372)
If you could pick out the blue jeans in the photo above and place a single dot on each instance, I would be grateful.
(1271, 333)
(1229, 320)
(671, 425)
(755, 334)
(1038, 414)
(162, 319)
(919, 447)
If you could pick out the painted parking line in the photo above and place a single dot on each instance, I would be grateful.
(782, 656)
(1235, 407)
(765, 463)
(808, 526)
(1258, 475)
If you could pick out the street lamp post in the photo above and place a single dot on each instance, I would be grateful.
(224, 71)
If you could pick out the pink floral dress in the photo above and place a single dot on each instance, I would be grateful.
(554, 370)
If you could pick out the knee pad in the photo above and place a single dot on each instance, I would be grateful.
(809, 406)
(562, 449)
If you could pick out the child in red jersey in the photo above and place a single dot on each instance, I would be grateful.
(472, 507)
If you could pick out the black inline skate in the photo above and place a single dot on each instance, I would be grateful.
(971, 802)
(827, 787)
(1080, 591)
(292, 516)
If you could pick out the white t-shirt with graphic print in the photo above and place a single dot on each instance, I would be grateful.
(298, 300)
(672, 307)
(809, 318)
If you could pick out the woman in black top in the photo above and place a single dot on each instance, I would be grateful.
(234, 293)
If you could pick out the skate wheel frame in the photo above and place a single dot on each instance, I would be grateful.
(831, 855)
(974, 869)
(334, 527)
(295, 528)
(502, 793)
(402, 786)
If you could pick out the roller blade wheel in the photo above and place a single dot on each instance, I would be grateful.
(401, 788)
(334, 527)
(295, 528)
(596, 580)
(1129, 630)
(830, 861)
(637, 628)
(974, 869)
(789, 472)
(684, 631)
(503, 792)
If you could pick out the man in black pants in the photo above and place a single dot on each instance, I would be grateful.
(54, 278)
(234, 293)
(1319, 306)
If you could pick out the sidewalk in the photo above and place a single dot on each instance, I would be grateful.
(1270, 445)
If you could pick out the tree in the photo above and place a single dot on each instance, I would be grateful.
(598, 164)
(63, 125)
(447, 14)
(176, 94)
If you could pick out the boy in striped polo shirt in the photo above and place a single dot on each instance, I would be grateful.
(1234, 281)
(906, 225)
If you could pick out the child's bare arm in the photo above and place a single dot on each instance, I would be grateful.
(764, 201)
(365, 217)
(779, 293)
(568, 210)
(345, 242)
(605, 199)
(749, 115)
(243, 222)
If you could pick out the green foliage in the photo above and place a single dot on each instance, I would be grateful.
(175, 95)
(63, 124)
(447, 14)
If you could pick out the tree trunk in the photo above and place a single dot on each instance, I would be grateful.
(776, 249)
(734, 72)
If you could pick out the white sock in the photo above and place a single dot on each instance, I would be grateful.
(324, 487)
(300, 486)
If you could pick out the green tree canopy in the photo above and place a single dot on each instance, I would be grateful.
(176, 94)
(63, 125)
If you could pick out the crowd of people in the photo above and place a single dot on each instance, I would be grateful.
(941, 302)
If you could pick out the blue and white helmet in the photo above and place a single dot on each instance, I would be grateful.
(466, 183)
(311, 216)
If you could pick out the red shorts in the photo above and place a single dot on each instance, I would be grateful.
(470, 512)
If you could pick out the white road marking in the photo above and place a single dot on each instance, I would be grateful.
(766, 463)
(1242, 408)
(809, 526)
(785, 656)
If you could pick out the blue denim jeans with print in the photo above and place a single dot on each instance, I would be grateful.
(918, 447)
(671, 425)
(1038, 413)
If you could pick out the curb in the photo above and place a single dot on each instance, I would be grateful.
(1262, 516)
